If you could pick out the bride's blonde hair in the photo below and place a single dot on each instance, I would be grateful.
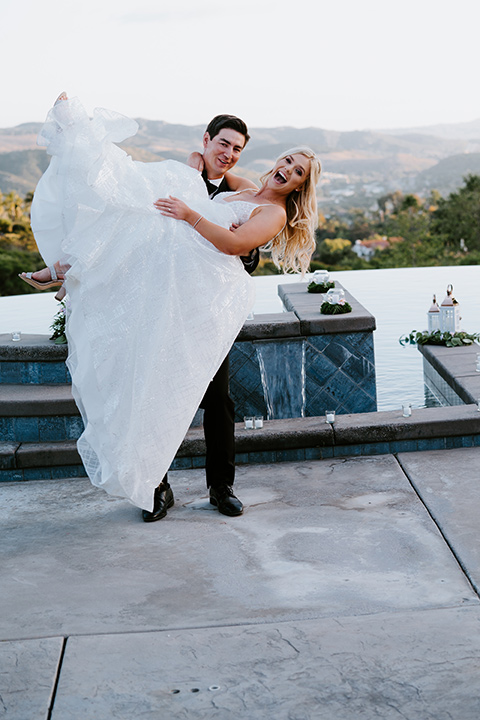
(293, 247)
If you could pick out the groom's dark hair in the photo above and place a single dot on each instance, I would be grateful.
(220, 122)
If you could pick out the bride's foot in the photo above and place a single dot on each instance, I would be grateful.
(62, 96)
(49, 277)
(42, 277)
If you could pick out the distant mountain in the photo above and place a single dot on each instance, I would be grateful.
(358, 166)
(20, 170)
(449, 173)
(453, 131)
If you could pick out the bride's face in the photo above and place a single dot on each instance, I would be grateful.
(222, 152)
(289, 173)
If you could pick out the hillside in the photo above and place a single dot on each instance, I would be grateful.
(358, 166)
(20, 170)
(449, 173)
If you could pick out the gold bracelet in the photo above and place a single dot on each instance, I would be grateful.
(196, 222)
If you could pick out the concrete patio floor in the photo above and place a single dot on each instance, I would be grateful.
(348, 589)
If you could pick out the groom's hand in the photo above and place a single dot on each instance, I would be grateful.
(195, 161)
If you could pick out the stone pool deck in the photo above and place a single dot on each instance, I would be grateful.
(348, 589)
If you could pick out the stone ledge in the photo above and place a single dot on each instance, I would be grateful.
(391, 426)
(457, 367)
(31, 348)
(38, 348)
(355, 429)
(33, 400)
(270, 326)
(29, 455)
(306, 307)
(7, 454)
(286, 434)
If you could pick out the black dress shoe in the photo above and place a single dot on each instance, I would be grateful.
(225, 500)
(162, 500)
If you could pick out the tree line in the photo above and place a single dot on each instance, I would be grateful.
(18, 250)
(414, 231)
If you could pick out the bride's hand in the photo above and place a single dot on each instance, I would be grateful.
(173, 207)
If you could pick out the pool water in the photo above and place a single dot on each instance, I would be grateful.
(399, 299)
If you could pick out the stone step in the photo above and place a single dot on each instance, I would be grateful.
(294, 440)
(38, 413)
(28, 400)
(40, 461)
(35, 360)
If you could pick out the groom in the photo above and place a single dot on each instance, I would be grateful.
(223, 142)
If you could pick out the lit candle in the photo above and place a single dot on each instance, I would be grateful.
(258, 422)
(248, 423)
(330, 416)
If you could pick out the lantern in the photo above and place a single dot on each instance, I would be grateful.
(450, 313)
(433, 317)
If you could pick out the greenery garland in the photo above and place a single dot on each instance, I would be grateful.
(327, 308)
(314, 287)
(457, 339)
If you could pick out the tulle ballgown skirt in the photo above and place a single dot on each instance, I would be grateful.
(155, 308)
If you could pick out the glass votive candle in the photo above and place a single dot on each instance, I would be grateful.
(248, 422)
(330, 416)
(258, 422)
(406, 409)
(320, 277)
(335, 296)
(332, 296)
(478, 404)
(477, 365)
(16, 335)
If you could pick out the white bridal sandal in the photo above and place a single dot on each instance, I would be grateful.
(54, 281)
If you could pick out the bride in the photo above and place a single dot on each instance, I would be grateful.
(158, 292)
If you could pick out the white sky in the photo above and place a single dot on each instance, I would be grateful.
(341, 64)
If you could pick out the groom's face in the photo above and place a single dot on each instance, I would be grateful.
(221, 153)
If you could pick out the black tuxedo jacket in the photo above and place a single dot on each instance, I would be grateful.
(250, 261)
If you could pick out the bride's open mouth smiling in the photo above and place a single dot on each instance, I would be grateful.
(280, 177)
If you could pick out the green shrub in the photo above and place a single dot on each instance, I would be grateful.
(13, 262)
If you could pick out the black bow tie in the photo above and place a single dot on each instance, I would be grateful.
(211, 187)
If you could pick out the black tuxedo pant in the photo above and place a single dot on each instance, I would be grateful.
(219, 429)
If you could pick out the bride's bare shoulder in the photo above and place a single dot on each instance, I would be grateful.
(248, 194)
(271, 213)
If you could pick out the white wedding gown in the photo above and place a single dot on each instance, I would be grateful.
(155, 308)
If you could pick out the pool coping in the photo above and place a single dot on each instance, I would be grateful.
(301, 318)
(456, 365)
